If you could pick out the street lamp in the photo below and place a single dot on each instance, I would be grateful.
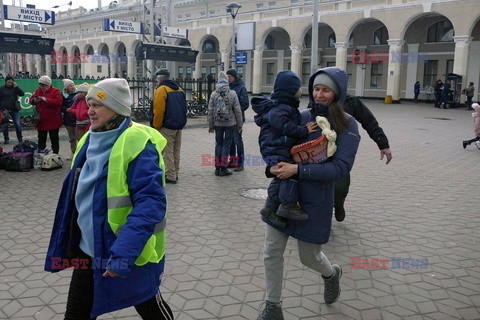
(233, 8)
(61, 5)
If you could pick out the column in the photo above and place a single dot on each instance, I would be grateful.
(280, 60)
(341, 55)
(30, 64)
(38, 65)
(296, 59)
(394, 67)
(224, 60)
(48, 65)
(460, 62)
(132, 66)
(197, 73)
(412, 65)
(257, 70)
(150, 66)
(114, 66)
(69, 70)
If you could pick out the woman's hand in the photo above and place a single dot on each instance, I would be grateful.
(284, 170)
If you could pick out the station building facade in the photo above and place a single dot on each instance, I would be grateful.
(399, 42)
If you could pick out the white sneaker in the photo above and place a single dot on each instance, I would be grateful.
(478, 144)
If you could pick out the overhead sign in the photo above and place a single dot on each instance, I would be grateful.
(173, 32)
(122, 26)
(29, 15)
(241, 57)
(23, 43)
(165, 53)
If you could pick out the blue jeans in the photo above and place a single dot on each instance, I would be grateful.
(238, 142)
(18, 127)
(223, 141)
(282, 191)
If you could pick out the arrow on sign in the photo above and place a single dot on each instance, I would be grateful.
(112, 24)
(47, 16)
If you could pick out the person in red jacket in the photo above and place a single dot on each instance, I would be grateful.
(80, 110)
(48, 100)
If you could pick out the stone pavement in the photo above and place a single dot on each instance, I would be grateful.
(424, 205)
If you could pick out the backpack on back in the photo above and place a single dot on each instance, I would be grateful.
(222, 109)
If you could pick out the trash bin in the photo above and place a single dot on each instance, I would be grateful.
(388, 99)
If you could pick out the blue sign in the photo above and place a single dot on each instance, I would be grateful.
(241, 57)
(122, 26)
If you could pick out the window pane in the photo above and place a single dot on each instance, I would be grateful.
(430, 71)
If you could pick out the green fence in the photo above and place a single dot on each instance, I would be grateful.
(30, 85)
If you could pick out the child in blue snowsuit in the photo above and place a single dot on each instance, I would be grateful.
(279, 120)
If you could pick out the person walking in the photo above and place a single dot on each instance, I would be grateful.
(438, 93)
(9, 104)
(169, 117)
(327, 90)
(224, 117)
(416, 91)
(47, 100)
(110, 220)
(355, 107)
(469, 92)
(476, 127)
(69, 94)
(237, 149)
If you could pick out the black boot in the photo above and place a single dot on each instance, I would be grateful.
(465, 143)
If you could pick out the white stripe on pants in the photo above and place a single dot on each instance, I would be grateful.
(311, 255)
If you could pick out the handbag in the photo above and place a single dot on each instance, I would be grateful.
(314, 151)
(51, 162)
(5, 116)
(36, 117)
(17, 107)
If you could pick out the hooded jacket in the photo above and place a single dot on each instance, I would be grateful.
(239, 87)
(9, 96)
(231, 97)
(280, 129)
(317, 181)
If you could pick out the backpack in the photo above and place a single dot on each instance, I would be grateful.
(222, 110)
(25, 146)
(19, 161)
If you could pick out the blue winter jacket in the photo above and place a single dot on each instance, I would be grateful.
(144, 178)
(239, 87)
(280, 129)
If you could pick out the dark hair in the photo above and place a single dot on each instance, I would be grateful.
(338, 120)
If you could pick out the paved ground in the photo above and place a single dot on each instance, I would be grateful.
(424, 205)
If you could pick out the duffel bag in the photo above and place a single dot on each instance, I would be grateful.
(19, 161)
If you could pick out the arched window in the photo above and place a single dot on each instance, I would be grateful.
(209, 46)
(440, 32)
(350, 40)
(380, 36)
(331, 40)
(269, 43)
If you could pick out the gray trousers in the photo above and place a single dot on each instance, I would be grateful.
(311, 255)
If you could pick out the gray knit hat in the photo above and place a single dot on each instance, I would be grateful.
(324, 80)
(45, 80)
(222, 80)
(114, 93)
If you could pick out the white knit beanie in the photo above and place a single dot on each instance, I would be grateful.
(114, 93)
(45, 80)
(66, 83)
(82, 88)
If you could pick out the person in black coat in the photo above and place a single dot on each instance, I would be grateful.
(355, 107)
(9, 94)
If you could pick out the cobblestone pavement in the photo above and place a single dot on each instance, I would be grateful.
(423, 205)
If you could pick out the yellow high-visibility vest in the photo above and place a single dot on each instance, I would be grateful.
(118, 196)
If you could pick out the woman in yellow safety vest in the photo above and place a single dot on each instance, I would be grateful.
(110, 219)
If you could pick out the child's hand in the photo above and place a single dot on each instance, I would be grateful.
(311, 126)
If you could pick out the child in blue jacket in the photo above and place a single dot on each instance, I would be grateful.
(279, 120)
